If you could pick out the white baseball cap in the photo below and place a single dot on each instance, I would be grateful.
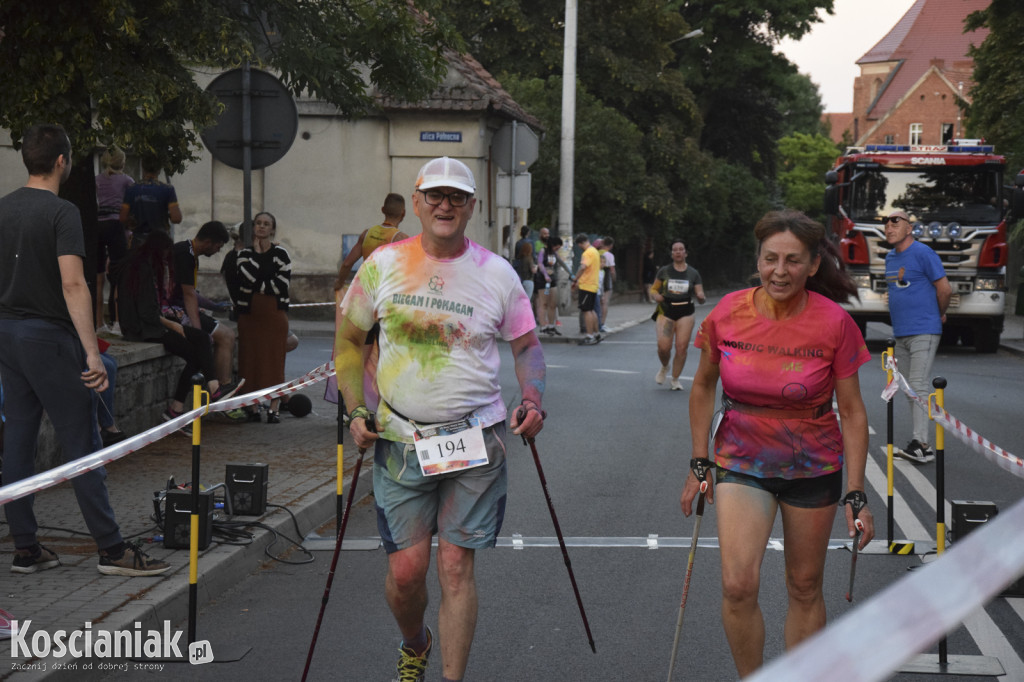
(446, 172)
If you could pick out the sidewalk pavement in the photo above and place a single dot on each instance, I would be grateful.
(301, 454)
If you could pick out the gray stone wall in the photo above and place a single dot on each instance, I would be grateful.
(146, 378)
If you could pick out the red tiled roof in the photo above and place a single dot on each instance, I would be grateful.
(931, 29)
(470, 88)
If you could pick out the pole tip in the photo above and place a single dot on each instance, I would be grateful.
(939, 382)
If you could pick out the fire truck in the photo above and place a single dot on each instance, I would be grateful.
(959, 207)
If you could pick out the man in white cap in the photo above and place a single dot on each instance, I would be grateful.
(919, 294)
(441, 301)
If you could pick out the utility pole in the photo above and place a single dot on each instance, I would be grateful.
(568, 146)
(568, 149)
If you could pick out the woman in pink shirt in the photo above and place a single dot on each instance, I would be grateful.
(781, 350)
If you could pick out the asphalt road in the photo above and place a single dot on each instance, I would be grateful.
(615, 449)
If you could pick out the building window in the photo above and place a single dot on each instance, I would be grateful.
(947, 133)
(916, 131)
(890, 139)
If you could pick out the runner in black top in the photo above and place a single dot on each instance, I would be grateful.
(674, 289)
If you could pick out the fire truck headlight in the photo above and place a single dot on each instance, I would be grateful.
(862, 281)
(954, 230)
(989, 284)
(935, 229)
(917, 230)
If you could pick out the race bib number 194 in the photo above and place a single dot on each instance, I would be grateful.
(451, 447)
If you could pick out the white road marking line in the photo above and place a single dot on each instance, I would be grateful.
(992, 642)
(1017, 604)
(902, 516)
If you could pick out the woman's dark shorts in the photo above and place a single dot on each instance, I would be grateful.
(677, 312)
(808, 493)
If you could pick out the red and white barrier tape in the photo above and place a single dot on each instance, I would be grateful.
(979, 443)
(66, 472)
(951, 424)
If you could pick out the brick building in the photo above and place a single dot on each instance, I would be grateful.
(911, 81)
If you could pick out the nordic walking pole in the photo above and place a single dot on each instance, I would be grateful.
(521, 414)
(339, 505)
(857, 500)
(337, 550)
(700, 468)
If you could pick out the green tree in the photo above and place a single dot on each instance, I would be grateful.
(800, 105)
(610, 179)
(998, 93)
(122, 71)
(623, 67)
(708, 110)
(741, 84)
(803, 161)
(998, 96)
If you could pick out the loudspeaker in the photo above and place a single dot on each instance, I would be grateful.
(299, 405)
(968, 515)
(247, 488)
(178, 521)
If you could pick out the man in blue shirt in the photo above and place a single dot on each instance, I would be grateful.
(149, 204)
(919, 294)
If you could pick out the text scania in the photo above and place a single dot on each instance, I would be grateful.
(774, 350)
(927, 161)
(89, 643)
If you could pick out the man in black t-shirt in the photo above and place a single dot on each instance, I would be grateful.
(49, 356)
(185, 299)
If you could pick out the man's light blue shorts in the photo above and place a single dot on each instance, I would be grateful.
(465, 508)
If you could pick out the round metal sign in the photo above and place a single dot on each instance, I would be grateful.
(274, 119)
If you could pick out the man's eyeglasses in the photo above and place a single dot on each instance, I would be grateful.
(436, 197)
(895, 219)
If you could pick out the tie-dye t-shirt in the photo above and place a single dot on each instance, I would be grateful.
(439, 325)
(780, 364)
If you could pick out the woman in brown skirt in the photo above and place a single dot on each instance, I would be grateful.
(264, 272)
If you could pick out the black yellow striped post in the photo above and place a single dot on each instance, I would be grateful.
(902, 546)
(890, 352)
(193, 544)
(939, 384)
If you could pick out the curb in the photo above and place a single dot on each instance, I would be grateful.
(611, 330)
(1017, 350)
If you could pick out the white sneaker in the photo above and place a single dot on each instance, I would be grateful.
(676, 386)
(659, 378)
